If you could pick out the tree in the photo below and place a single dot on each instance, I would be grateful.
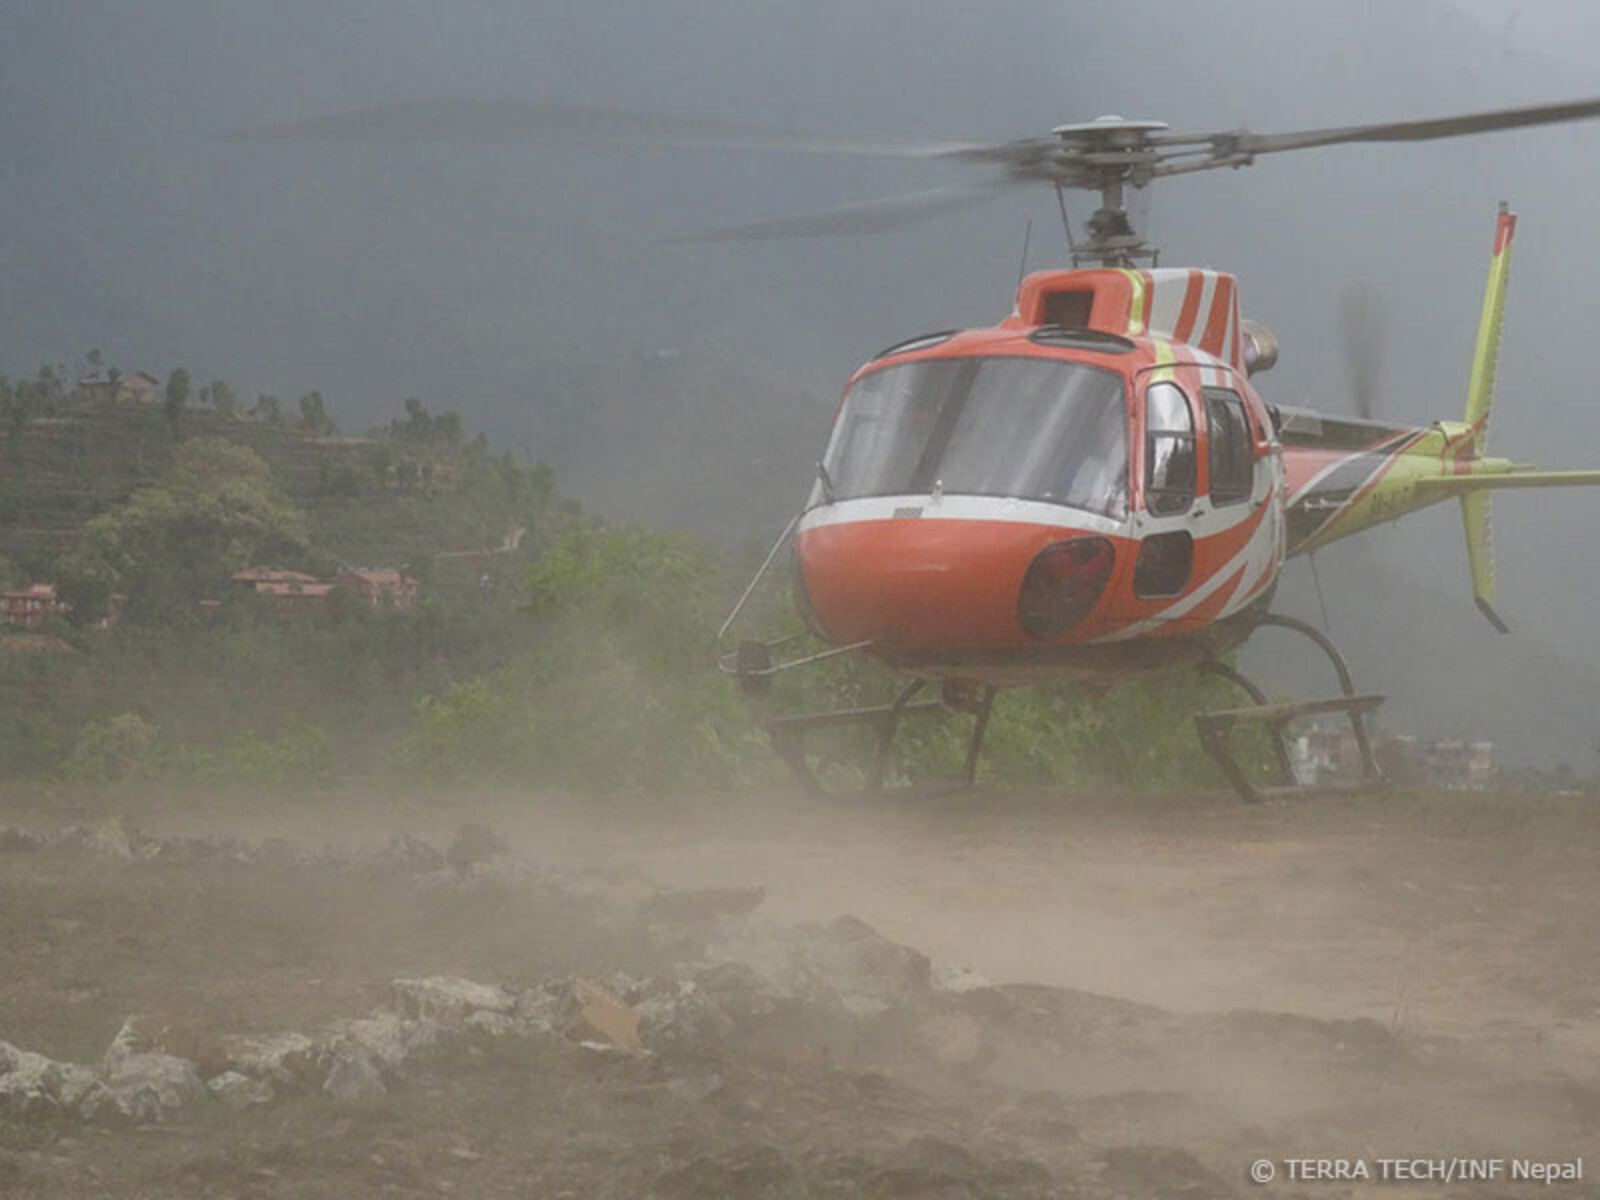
(269, 409)
(177, 396)
(381, 460)
(174, 543)
(314, 417)
(26, 399)
(223, 398)
(422, 428)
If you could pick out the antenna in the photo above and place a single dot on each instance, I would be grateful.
(1022, 271)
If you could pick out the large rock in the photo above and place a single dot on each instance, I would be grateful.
(152, 1087)
(447, 999)
(871, 964)
(284, 1059)
(845, 964)
(145, 1084)
(353, 1077)
(388, 1038)
(679, 1015)
(601, 1016)
(30, 1084)
(34, 1086)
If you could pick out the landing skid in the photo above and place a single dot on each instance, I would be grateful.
(788, 733)
(1216, 728)
(754, 664)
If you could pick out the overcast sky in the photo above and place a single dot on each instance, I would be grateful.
(526, 288)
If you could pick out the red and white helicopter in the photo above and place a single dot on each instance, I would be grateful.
(1093, 488)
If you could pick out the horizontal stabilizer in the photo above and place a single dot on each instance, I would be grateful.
(1454, 485)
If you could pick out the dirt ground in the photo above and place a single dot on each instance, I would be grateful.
(1128, 995)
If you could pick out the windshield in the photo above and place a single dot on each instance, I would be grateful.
(1032, 428)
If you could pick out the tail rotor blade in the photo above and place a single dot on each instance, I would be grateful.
(1362, 325)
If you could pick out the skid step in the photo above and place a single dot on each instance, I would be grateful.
(848, 716)
(1333, 787)
(1215, 729)
(1288, 710)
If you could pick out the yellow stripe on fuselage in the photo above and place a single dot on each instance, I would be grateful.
(1166, 361)
(1136, 308)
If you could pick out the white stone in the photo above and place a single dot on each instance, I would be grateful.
(239, 1091)
(152, 1086)
(958, 979)
(448, 999)
(29, 1083)
(495, 1024)
(279, 1058)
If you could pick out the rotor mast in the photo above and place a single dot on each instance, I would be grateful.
(1107, 155)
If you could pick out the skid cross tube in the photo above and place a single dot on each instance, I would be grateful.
(1215, 728)
(788, 733)
(1275, 729)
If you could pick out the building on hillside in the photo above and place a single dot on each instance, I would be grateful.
(1457, 762)
(1322, 753)
(139, 387)
(296, 598)
(252, 578)
(291, 592)
(136, 387)
(31, 607)
(380, 587)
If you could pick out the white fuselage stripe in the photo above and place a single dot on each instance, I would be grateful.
(1168, 307)
(959, 508)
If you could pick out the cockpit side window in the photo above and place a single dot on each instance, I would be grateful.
(1169, 458)
(1228, 439)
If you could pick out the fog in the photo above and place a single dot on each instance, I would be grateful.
(526, 288)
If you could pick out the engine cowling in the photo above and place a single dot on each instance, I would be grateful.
(1260, 347)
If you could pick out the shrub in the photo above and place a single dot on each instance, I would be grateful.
(118, 748)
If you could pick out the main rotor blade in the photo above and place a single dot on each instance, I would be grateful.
(521, 123)
(871, 216)
(1410, 131)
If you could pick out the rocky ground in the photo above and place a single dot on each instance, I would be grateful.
(953, 997)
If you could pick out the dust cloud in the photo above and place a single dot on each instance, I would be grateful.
(1001, 994)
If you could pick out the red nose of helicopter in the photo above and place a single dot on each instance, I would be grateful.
(915, 584)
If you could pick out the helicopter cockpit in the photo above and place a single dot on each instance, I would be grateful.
(1022, 428)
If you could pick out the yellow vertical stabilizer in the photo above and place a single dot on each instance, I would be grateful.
(1480, 399)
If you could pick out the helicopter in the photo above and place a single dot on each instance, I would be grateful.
(1092, 488)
